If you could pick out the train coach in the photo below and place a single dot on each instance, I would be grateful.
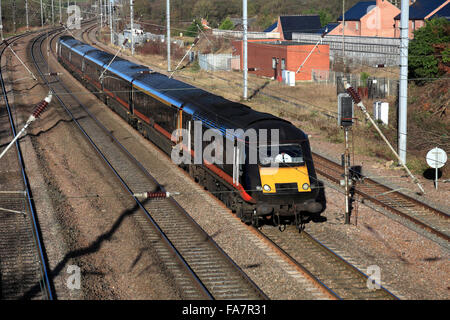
(278, 187)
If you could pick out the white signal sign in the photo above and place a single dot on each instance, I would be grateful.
(436, 158)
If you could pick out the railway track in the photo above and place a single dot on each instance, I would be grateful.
(430, 219)
(335, 277)
(332, 273)
(200, 268)
(23, 267)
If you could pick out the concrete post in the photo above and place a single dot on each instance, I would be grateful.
(244, 42)
(403, 95)
(168, 34)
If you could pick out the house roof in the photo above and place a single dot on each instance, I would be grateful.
(358, 11)
(272, 27)
(307, 23)
(443, 13)
(422, 8)
(329, 27)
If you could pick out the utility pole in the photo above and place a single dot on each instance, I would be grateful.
(60, 12)
(53, 15)
(42, 16)
(168, 34)
(14, 16)
(403, 98)
(26, 14)
(1, 20)
(343, 34)
(346, 177)
(244, 42)
(101, 13)
(110, 20)
(132, 27)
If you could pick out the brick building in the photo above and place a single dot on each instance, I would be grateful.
(369, 18)
(286, 25)
(422, 10)
(270, 57)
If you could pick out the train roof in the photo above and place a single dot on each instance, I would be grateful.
(69, 41)
(126, 69)
(121, 67)
(213, 110)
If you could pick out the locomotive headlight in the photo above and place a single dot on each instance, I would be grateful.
(305, 186)
(266, 187)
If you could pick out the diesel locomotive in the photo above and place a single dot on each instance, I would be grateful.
(161, 108)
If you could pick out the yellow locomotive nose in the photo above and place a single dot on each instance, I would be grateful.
(285, 180)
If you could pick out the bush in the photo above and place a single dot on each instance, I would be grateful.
(430, 49)
(364, 76)
(226, 24)
(160, 48)
(193, 29)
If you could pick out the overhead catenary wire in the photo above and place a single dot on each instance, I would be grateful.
(300, 51)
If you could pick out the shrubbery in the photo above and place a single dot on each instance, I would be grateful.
(429, 52)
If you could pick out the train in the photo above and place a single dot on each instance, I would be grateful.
(277, 186)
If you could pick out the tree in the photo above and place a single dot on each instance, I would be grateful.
(203, 8)
(429, 51)
(226, 24)
(325, 16)
(193, 29)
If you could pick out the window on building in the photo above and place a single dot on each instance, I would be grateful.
(357, 25)
(283, 64)
(274, 63)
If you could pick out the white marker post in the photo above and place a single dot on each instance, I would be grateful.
(436, 158)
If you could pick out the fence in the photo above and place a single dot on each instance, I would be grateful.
(378, 88)
(143, 38)
(360, 50)
(250, 35)
(215, 62)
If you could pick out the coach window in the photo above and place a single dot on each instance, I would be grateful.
(122, 90)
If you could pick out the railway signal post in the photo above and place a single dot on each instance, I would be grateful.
(345, 120)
